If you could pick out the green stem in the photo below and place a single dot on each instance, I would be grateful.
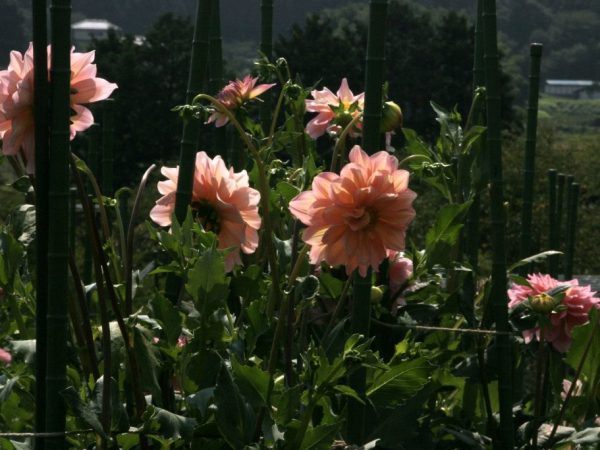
(341, 142)
(266, 48)
(529, 162)
(563, 408)
(215, 73)
(276, 115)
(129, 245)
(498, 296)
(539, 383)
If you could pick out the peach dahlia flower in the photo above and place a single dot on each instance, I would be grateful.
(358, 217)
(335, 110)
(575, 308)
(222, 201)
(234, 95)
(16, 100)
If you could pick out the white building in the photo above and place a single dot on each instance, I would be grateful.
(581, 89)
(85, 30)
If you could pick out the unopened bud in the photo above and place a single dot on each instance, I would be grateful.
(376, 294)
(542, 303)
(391, 117)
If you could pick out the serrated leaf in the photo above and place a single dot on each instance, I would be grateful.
(82, 410)
(252, 381)
(207, 282)
(320, 437)
(534, 258)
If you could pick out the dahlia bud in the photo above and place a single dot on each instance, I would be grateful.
(542, 303)
(376, 294)
(391, 117)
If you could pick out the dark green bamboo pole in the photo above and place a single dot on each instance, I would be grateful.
(40, 111)
(568, 193)
(498, 296)
(58, 236)
(571, 235)
(215, 73)
(535, 51)
(361, 301)
(552, 221)
(199, 58)
(560, 196)
(108, 147)
(266, 48)
(371, 140)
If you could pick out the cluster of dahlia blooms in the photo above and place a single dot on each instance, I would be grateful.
(573, 310)
(222, 201)
(234, 95)
(356, 218)
(16, 100)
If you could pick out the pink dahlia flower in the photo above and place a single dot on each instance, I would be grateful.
(400, 270)
(234, 95)
(222, 201)
(358, 217)
(575, 307)
(335, 110)
(5, 357)
(16, 100)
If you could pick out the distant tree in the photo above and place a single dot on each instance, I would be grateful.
(152, 78)
(429, 56)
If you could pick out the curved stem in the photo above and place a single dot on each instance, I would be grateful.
(342, 141)
(219, 106)
(276, 115)
(129, 242)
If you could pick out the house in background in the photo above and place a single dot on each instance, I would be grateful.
(85, 30)
(579, 89)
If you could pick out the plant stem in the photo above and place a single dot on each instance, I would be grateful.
(129, 245)
(498, 296)
(341, 142)
(215, 73)
(108, 144)
(540, 370)
(266, 48)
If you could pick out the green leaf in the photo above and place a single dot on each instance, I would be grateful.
(234, 417)
(149, 364)
(581, 336)
(7, 389)
(586, 436)
(22, 184)
(399, 382)
(167, 314)
(288, 405)
(82, 410)
(25, 349)
(320, 437)
(534, 258)
(252, 381)
(348, 392)
(444, 234)
(207, 283)
(200, 401)
(170, 425)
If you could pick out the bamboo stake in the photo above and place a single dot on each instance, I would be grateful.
(535, 51)
(560, 195)
(568, 205)
(572, 221)
(552, 220)
(41, 111)
(361, 301)
(498, 294)
(199, 57)
(58, 235)
(93, 134)
(215, 74)
(108, 143)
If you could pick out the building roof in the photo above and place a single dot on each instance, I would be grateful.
(580, 83)
(94, 24)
